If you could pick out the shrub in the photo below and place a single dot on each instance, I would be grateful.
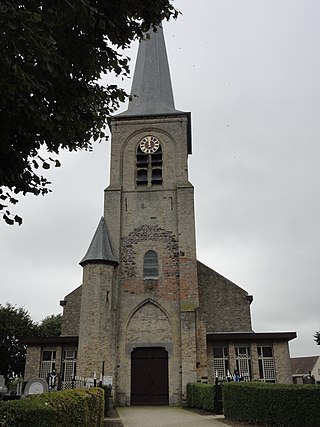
(26, 412)
(190, 395)
(204, 396)
(272, 404)
(79, 407)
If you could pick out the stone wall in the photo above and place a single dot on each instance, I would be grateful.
(149, 324)
(224, 306)
(33, 358)
(96, 350)
(158, 218)
(283, 372)
(282, 362)
(71, 313)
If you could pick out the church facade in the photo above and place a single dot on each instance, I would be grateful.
(149, 317)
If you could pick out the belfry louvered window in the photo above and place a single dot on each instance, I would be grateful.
(150, 265)
(149, 167)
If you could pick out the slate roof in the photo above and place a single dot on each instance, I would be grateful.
(303, 365)
(100, 247)
(151, 87)
(151, 91)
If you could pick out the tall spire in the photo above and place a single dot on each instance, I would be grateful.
(151, 88)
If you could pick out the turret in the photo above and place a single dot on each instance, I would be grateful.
(96, 332)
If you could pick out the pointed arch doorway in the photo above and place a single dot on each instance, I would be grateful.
(149, 376)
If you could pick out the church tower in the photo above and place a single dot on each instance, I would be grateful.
(149, 318)
(149, 214)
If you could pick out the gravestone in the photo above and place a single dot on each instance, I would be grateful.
(3, 388)
(36, 386)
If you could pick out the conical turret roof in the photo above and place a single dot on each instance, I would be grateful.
(151, 90)
(100, 250)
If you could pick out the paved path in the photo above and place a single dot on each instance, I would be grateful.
(165, 416)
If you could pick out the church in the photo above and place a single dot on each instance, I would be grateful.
(149, 317)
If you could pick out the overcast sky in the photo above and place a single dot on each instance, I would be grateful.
(249, 71)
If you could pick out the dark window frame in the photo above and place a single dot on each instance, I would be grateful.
(150, 265)
(149, 168)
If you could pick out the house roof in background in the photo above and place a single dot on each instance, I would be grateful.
(303, 365)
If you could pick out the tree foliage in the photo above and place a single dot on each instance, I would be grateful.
(50, 326)
(317, 337)
(53, 53)
(15, 323)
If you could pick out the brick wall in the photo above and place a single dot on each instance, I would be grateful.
(280, 354)
(96, 333)
(71, 313)
(224, 305)
(32, 368)
(282, 362)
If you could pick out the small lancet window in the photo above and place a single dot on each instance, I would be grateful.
(150, 265)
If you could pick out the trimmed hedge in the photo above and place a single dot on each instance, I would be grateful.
(72, 408)
(284, 405)
(204, 396)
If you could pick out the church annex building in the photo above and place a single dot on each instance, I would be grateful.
(149, 317)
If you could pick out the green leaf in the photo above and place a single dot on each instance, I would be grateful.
(35, 18)
(51, 95)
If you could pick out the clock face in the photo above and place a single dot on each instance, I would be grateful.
(149, 144)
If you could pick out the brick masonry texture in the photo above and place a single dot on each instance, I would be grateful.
(96, 331)
(159, 219)
(282, 362)
(33, 359)
(149, 233)
(223, 305)
(117, 309)
(71, 313)
(148, 325)
(280, 354)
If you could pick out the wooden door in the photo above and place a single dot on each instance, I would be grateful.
(149, 376)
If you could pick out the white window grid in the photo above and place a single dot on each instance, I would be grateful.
(69, 370)
(69, 365)
(46, 367)
(220, 366)
(268, 367)
(244, 361)
(244, 365)
(69, 354)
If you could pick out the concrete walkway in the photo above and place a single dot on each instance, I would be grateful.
(165, 416)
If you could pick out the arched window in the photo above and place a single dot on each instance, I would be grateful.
(149, 167)
(150, 265)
